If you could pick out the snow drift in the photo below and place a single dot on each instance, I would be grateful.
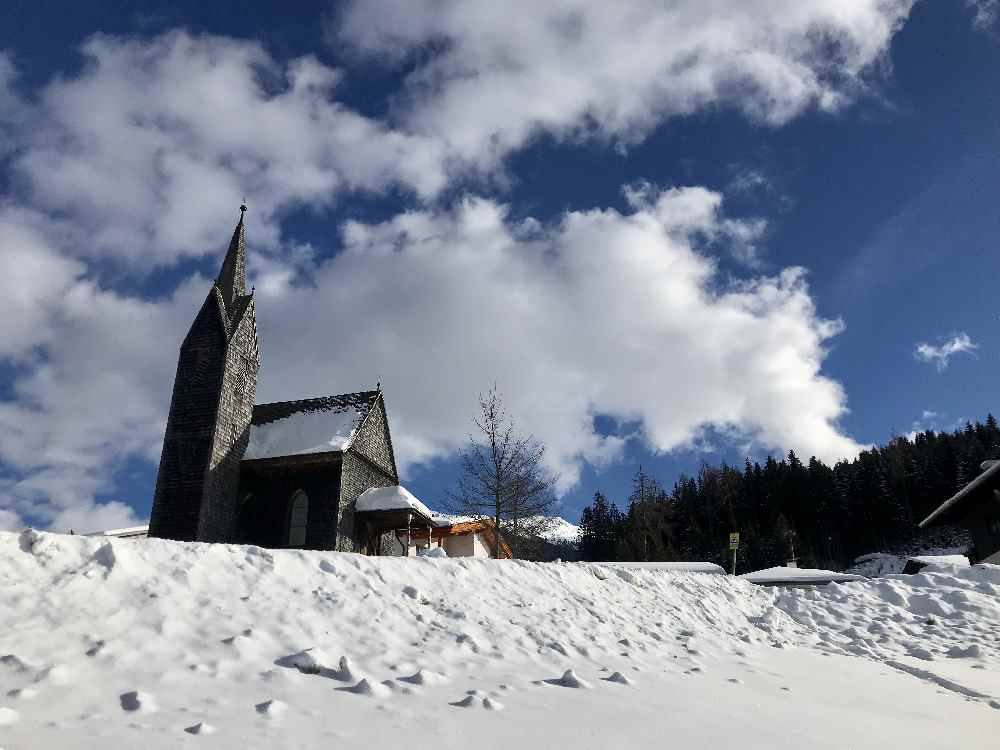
(165, 644)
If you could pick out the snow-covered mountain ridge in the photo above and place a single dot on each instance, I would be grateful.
(561, 531)
(162, 644)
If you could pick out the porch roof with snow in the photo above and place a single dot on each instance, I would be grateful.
(326, 424)
(395, 507)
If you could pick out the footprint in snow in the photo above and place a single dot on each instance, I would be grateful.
(272, 709)
(558, 647)
(619, 678)
(134, 700)
(569, 680)
(232, 639)
(57, 674)
(369, 689)
(345, 673)
(395, 687)
(14, 663)
(307, 661)
(477, 701)
(425, 677)
(200, 728)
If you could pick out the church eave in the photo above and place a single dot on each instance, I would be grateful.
(300, 459)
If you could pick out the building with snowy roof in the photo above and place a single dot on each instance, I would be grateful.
(976, 507)
(284, 474)
(417, 529)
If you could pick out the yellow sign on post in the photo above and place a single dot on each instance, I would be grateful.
(734, 540)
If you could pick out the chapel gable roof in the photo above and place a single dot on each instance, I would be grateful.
(314, 425)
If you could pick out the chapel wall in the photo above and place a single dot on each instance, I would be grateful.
(372, 440)
(264, 503)
(358, 475)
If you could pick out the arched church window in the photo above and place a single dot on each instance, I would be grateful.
(298, 517)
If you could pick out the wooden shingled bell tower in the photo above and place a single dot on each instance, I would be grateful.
(210, 411)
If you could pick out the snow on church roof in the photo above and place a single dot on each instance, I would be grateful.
(396, 497)
(315, 425)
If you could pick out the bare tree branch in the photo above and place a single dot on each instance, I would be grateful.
(504, 477)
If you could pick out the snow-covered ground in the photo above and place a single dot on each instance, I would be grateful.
(801, 576)
(155, 644)
(686, 567)
(884, 563)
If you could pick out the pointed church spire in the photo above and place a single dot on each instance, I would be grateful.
(232, 279)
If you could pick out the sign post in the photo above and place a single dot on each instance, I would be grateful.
(734, 544)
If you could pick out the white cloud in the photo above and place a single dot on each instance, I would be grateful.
(939, 355)
(602, 313)
(928, 421)
(35, 278)
(695, 212)
(489, 76)
(10, 521)
(984, 13)
(599, 313)
(155, 140)
(97, 397)
(749, 181)
(88, 517)
(140, 156)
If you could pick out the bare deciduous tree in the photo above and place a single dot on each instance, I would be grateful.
(504, 478)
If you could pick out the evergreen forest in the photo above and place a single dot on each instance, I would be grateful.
(822, 516)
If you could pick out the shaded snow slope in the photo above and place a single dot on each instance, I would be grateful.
(163, 644)
(935, 614)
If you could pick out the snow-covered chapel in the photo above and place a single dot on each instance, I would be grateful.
(285, 474)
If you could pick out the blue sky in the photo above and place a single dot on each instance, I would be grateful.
(601, 210)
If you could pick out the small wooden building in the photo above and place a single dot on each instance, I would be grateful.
(472, 538)
(393, 516)
(976, 507)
